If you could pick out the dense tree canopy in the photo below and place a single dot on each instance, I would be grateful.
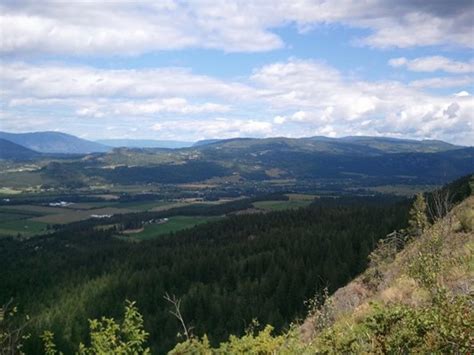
(226, 273)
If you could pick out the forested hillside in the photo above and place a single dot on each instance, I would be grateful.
(316, 161)
(273, 267)
(226, 273)
(415, 297)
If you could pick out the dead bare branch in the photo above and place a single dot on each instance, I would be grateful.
(176, 303)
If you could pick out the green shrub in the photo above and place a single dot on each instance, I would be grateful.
(426, 265)
(110, 337)
(261, 342)
(466, 219)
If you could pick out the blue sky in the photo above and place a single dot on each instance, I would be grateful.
(209, 69)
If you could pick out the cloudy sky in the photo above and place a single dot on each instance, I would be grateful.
(189, 70)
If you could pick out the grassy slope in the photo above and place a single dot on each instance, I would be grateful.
(455, 254)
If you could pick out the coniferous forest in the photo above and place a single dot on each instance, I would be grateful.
(226, 273)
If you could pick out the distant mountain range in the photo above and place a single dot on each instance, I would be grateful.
(350, 144)
(62, 143)
(13, 151)
(207, 141)
(54, 142)
(144, 143)
(350, 159)
(362, 159)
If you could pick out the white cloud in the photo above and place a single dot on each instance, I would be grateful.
(411, 26)
(397, 62)
(434, 63)
(279, 119)
(294, 97)
(299, 116)
(443, 82)
(129, 28)
(314, 89)
(215, 128)
(315, 95)
(55, 81)
(149, 107)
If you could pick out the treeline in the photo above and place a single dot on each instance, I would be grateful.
(226, 273)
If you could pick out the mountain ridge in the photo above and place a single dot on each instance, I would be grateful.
(58, 142)
(380, 144)
(54, 142)
(10, 150)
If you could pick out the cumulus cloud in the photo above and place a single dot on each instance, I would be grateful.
(56, 81)
(315, 90)
(294, 97)
(433, 63)
(231, 25)
(218, 127)
(321, 98)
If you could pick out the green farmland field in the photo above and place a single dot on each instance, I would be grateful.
(174, 224)
(24, 227)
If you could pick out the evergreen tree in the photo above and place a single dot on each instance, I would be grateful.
(418, 221)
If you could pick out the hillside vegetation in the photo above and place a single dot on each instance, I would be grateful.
(413, 296)
(226, 272)
(417, 300)
(347, 162)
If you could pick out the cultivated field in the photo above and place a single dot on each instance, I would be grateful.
(22, 227)
(295, 201)
(174, 224)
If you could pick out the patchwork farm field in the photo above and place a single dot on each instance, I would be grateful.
(31, 219)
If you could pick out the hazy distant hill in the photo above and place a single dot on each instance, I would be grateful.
(351, 159)
(144, 143)
(345, 145)
(12, 151)
(54, 142)
(394, 145)
(206, 142)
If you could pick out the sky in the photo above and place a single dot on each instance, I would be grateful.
(191, 70)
